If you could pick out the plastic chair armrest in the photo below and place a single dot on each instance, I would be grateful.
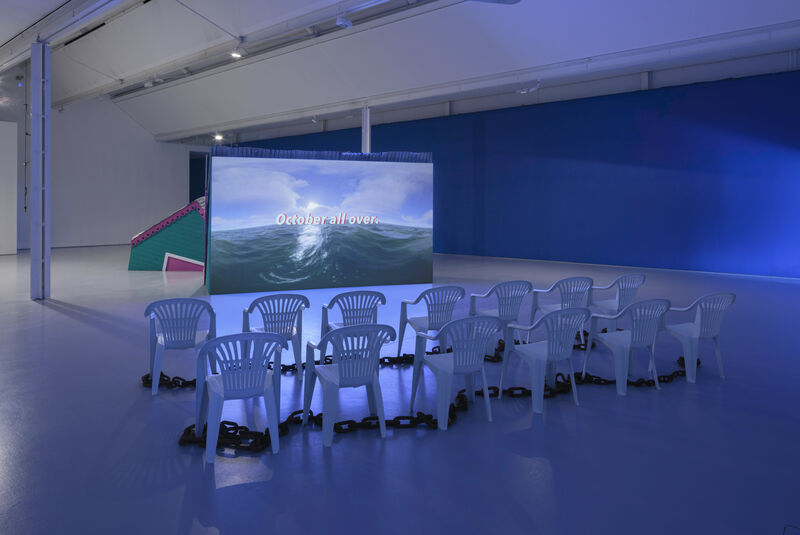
(428, 336)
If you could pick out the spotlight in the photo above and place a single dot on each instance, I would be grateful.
(148, 84)
(218, 137)
(237, 53)
(314, 119)
(342, 22)
(526, 90)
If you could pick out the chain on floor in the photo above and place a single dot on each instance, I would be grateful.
(239, 437)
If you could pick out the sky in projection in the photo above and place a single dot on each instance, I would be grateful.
(252, 192)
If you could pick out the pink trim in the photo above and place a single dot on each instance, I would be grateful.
(173, 262)
(164, 223)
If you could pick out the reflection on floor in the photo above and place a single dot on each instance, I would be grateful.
(85, 449)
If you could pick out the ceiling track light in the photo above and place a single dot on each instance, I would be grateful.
(529, 89)
(218, 137)
(343, 22)
(238, 51)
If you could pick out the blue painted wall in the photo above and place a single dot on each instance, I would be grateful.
(700, 177)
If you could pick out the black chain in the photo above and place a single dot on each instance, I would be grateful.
(169, 382)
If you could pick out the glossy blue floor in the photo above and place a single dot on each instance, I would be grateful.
(84, 448)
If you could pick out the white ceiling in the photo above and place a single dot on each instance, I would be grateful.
(430, 51)
(19, 14)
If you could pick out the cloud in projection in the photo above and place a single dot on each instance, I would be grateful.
(253, 192)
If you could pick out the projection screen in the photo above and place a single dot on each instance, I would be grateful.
(287, 224)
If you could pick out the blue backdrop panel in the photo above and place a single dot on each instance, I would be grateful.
(701, 177)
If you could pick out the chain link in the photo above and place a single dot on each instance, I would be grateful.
(169, 382)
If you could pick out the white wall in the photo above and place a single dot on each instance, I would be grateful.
(109, 178)
(8, 188)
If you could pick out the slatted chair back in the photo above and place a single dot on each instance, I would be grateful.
(177, 320)
(243, 361)
(358, 307)
(574, 291)
(279, 312)
(440, 302)
(469, 338)
(561, 326)
(711, 311)
(356, 350)
(646, 319)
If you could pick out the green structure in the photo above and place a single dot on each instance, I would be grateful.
(177, 243)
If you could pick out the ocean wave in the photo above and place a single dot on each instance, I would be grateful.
(282, 257)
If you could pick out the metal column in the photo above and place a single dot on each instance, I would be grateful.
(366, 131)
(40, 170)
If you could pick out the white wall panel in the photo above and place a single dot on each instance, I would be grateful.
(8, 188)
(110, 179)
(459, 47)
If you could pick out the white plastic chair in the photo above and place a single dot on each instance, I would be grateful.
(358, 308)
(173, 325)
(440, 302)
(646, 317)
(541, 357)
(710, 311)
(626, 286)
(509, 301)
(355, 351)
(281, 314)
(243, 361)
(573, 293)
(468, 338)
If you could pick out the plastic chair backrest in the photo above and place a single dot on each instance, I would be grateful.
(711, 311)
(509, 298)
(561, 326)
(243, 360)
(178, 318)
(574, 291)
(358, 307)
(279, 312)
(646, 319)
(627, 286)
(356, 350)
(469, 338)
(441, 301)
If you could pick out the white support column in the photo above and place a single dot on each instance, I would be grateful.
(366, 131)
(40, 170)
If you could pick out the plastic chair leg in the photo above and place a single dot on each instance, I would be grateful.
(469, 386)
(690, 359)
(587, 351)
(719, 357)
(297, 348)
(371, 400)
(503, 373)
(550, 374)
(308, 392)
(572, 383)
(377, 399)
(330, 410)
(444, 385)
(155, 374)
(486, 395)
(400, 334)
(621, 366)
(419, 356)
(212, 433)
(272, 419)
(538, 370)
(652, 351)
(201, 410)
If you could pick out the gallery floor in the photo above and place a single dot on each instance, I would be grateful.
(84, 448)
